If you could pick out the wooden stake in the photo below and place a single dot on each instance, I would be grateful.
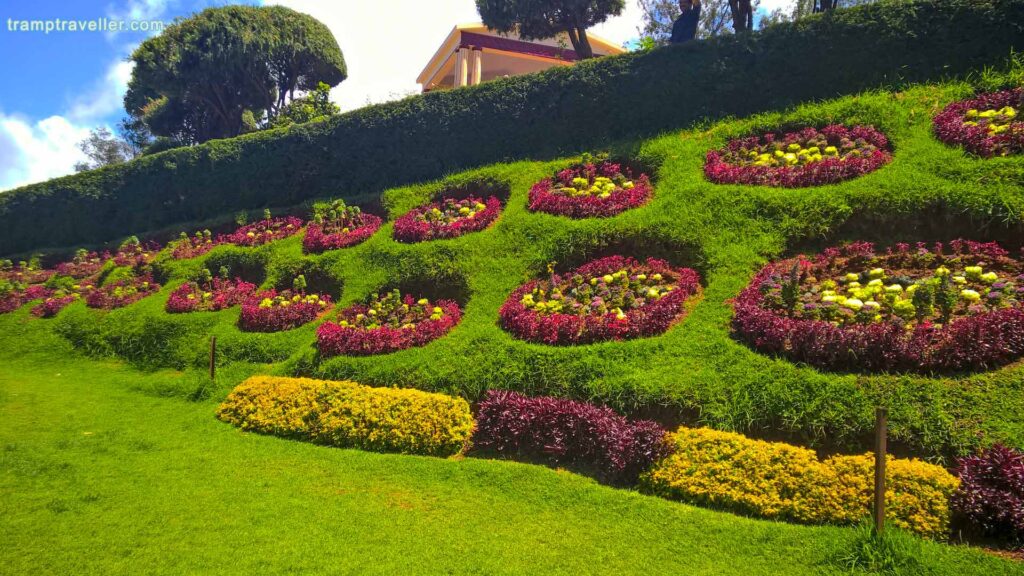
(213, 358)
(881, 431)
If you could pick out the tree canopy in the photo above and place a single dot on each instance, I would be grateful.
(215, 74)
(539, 19)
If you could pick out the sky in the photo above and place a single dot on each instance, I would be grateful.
(63, 83)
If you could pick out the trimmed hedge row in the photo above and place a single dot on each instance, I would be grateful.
(777, 480)
(639, 94)
(346, 414)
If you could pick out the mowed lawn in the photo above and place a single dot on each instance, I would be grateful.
(98, 476)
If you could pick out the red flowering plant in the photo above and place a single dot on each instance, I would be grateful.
(266, 230)
(14, 295)
(990, 500)
(566, 432)
(24, 272)
(337, 225)
(809, 157)
(921, 309)
(593, 188)
(83, 265)
(387, 323)
(209, 294)
(447, 218)
(135, 253)
(273, 311)
(121, 292)
(613, 298)
(53, 304)
(986, 125)
(200, 243)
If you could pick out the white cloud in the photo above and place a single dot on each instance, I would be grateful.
(32, 151)
(387, 42)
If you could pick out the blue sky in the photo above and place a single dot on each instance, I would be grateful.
(68, 82)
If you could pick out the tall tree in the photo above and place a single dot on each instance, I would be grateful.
(227, 70)
(742, 15)
(539, 19)
(716, 18)
(103, 148)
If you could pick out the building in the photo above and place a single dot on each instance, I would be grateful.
(473, 53)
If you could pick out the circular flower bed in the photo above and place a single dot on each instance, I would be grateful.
(266, 230)
(60, 299)
(448, 218)
(273, 311)
(121, 293)
(186, 247)
(987, 125)
(608, 299)
(24, 272)
(134, 253)
(590, 190)
(209, 295)
(83, 265)
(15, 295)
(920, 309)
(338, 226)
(810, 157)
(388, 323)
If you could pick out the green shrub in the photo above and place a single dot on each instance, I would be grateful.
(580, 107)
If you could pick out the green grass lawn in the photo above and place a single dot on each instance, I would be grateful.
(101, 474)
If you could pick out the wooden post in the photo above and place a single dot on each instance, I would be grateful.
(213, 357)
(881, 431)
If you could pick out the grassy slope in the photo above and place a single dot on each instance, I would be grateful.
(96, 478)
(696, 371)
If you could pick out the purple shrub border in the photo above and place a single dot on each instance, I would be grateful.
(990, 501)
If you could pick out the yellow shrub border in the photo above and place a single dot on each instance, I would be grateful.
(347, 414)
(777, 480)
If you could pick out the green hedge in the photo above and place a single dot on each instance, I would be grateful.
(561, 110)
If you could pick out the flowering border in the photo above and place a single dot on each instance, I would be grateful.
(278, 318)
(651, 319)
(542, 199)
(409, 229)
(336, 340)
(981, 341)
(949, 125)
(826, 171)
(316, 241)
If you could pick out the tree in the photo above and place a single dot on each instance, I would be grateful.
(539, 19)
(716, 18)
(742, 15)
(103, 149)
(315, 104)
(228, 70)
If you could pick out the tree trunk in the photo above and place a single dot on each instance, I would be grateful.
(825, 5)
(742, 15)
(584, 50)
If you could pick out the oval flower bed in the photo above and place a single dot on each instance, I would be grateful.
(921, 309)
(273, 311)
(121, 293)
(209, 295)
(590, 190)
(186, 247)
(24, 272)
(987, 125)
(84, 264)
(448, 218)
(266, 230)
(56, 302)
(339, 226)
(608, 299)
(387, 323)
(810, 157)
(134, 253)
(16, 295)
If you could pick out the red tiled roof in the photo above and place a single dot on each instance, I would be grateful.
(472, 39)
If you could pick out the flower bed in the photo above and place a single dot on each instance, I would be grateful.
(388, 323)
(346, 414)
(24, 272)
(15, 295)
(448, 218)
(83, 265)
(209, 295)
(908, 309)
(987, 125)
(186, 246)
(990, 501)
(567, 432)
(608, 299)
(338, 226)
(134, 253)
(591, 189)
(778, 480)
(273, 311)
(50, 306)
(809, 157)
(266, 230)
(121, 293)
